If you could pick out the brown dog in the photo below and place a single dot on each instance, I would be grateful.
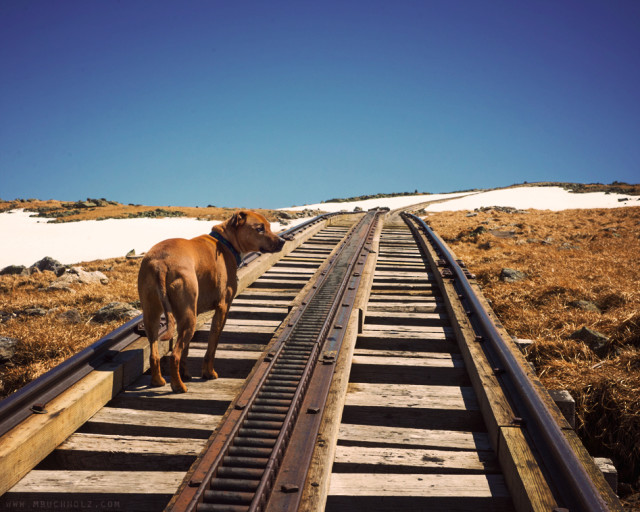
(185, 277)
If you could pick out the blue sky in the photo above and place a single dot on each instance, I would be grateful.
(273, 104)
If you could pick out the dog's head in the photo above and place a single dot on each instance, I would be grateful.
(252, 232)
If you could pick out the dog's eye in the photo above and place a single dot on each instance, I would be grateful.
(260, 228)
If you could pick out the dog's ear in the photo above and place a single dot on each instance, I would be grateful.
(238, 219)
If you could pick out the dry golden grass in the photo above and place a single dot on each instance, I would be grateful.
(45, 341)
(118, 211)
(591, 255)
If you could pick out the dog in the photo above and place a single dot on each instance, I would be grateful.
(182, 278)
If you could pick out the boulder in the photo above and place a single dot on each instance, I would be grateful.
(77, 275)
(115, 311)
(510, 275)
(14, 270)
(7, 348)
(48, 263)
(585, 305)
(595, 340)
(35, 311)
(72, 316)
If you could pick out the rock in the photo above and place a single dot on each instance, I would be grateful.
(595, 340)
(84, 204)
(7, 348)
(6, 315)
(472, 214)
(285, 215)
(78, 276)
(510, 275)
(71, 316)
(115, 311)
(14, 270)
(34, 311)
(503, 234)
(585, 305)
(48, 263)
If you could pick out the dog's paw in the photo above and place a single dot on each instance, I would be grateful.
(186, 377)
(158, 382)
(206, 375)
(178, 388)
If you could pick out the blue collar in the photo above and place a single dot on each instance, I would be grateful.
(227, 244)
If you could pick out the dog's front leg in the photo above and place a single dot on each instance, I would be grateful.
(217, 324)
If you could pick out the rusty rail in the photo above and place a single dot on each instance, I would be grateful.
(571, 478)
(238, 470)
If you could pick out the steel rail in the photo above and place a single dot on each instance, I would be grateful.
(33, 397)
(583, 490)
(290, 362)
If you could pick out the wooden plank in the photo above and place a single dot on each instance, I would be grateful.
(411, 396)
(437, 325)
(366, 459)
(399, 307)
(445, 359)
(116, 420)
(427, 438)
(376, 332)
(407, 318)
(221, 388)
(249, 324)
(198, 350)
(258, 312)
(441, 493)
(399, 358)
(104, 452)
(402, 298)
(203, 397)
(142, 491)
(409, 370)
(429, 342)
(528, 485)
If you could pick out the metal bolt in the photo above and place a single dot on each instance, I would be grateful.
(39, 409)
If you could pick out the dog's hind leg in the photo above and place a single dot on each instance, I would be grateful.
(184, 294)
(151, 311)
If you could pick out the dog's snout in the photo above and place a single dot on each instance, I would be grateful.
(280, 243)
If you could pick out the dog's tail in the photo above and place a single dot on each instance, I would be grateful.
(161, 287)
(153, 296)
(162, 293)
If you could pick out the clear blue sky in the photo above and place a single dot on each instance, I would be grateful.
(275, 103)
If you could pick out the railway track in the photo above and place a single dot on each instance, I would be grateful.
(359, 371)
